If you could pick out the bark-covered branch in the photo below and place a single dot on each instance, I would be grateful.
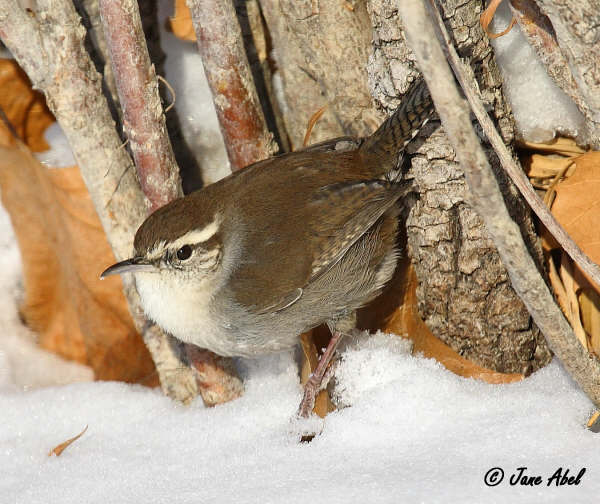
(488, 202)
(220, 42)
(137, 87)
(48, 44)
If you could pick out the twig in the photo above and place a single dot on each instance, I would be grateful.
(510, 166)
(137, 87)
(487, 200)
(171, 90)
(48, 44)
(157, 169)
(220, 43)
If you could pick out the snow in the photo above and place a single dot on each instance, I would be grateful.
(541, 109)
(59, 155)
(415, 433)
(412, 431)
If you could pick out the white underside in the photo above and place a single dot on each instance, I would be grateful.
(181, 311)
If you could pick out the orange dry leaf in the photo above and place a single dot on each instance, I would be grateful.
(577, 204)
(181, 23)
(577, 208)
(486, 18)
(58, 449)
(25, 109)
(64, 248)
(406, 321)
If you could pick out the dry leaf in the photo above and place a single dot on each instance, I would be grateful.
(577, 208)
(572, 306)
(406, 321)
(594, 422)
(486, 18)
(311, 124)
(64, 248)
(540, 166)
(57, 450)
(25, 109)
(577, 204)
(559, 145)
(181, 23)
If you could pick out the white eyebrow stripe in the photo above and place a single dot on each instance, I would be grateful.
(196, 236)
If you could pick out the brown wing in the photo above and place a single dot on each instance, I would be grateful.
(300, 238)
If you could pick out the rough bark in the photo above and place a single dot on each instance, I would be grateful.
(88, 10)
(320, 51)
(221, 45)
(465, 294)
(137, 87)
(489, 201)
(506, 158)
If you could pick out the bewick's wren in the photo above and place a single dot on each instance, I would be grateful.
(245, 265)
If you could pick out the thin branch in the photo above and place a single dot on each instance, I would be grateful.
(508, 163)
(137, 87)
(487, 200)
(220, 43)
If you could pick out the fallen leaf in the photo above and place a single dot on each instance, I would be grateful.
(63, 248)
(594, 422)
(577, 208)
(24, 108)
(577, 204)
(541, 166)
(559, 145)
(486, 18)
(572, 305)
(181, 22)
(58, 449)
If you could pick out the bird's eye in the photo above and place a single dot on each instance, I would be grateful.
(184, 253)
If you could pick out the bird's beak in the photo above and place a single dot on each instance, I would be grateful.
(133, 265)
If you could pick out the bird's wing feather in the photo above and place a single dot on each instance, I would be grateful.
(337, 215)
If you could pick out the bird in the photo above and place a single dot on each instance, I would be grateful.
(245, 265)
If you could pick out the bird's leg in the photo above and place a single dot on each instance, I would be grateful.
(313, 384)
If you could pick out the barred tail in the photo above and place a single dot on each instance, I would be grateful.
(384, 147)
